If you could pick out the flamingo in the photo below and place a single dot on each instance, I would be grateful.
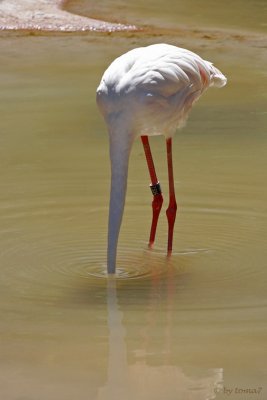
(145, 92)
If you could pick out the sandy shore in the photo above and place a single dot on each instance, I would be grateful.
(48, 15)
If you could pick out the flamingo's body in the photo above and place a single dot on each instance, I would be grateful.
(148, 91)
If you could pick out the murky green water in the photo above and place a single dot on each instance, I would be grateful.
(246, 15)
(186, 328)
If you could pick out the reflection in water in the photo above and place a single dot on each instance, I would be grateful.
(140, 380)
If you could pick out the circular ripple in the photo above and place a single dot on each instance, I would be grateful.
(132, 263)
(57, 254)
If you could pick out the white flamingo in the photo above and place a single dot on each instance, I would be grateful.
(145, 92)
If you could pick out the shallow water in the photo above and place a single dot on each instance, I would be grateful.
(191, 327)
(246, 15)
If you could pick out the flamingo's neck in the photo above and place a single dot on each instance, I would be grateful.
(120, 146)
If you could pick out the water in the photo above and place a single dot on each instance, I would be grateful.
(243, 15)
(191, 327)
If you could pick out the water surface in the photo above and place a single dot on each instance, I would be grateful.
(246, 15)
(190, 327)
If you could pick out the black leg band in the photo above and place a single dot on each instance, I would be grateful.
(155, 189)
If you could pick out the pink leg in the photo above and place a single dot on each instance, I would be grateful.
(172, 208)
(155, 188)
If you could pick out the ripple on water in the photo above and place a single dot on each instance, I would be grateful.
(54, 258)
(233, 236)
(136, 263)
